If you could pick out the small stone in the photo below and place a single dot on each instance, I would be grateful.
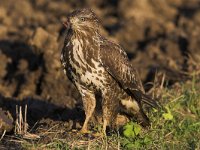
(6, 121)
(121, 120)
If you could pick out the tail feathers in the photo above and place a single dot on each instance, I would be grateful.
(148, 100)
(142, 118)
(140, 96)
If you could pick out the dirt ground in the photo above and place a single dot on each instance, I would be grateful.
(157, 35)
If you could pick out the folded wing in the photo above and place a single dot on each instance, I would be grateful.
(116, 62)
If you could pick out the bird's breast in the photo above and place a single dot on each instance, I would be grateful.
(85, 67)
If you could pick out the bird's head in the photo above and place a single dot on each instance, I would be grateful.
(82, 20)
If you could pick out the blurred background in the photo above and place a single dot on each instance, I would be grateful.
(158, 35)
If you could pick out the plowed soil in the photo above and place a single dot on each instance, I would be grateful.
(159, 36)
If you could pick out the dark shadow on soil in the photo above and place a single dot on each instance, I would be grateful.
(16, 70)
(17, 50)
(188, 11)
(40, 114)
(16, 73)
(39, 109)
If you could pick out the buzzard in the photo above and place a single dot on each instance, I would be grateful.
(98, 66)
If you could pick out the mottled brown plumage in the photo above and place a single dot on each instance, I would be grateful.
(98, 66)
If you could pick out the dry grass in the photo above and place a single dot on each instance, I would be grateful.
(181, 132)
(21, 125)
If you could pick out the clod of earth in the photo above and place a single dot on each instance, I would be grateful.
(6, 121)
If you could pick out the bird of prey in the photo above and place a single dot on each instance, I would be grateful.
(98, 66)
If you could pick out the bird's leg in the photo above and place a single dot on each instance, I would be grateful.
(109, 106)
(109, 116)
(89, 104)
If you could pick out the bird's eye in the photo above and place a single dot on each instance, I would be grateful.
(82, 19)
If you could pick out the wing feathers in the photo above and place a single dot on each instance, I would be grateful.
(116, 62)
(138, 95)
